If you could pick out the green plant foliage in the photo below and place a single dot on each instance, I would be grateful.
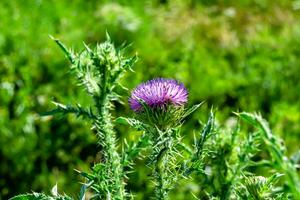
(99, 71)
(234, 55)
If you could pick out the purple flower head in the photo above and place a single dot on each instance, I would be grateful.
(158, 93)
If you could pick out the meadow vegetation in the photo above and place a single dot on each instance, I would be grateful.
(235, 56)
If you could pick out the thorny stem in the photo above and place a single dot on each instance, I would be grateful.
(98, 71)
(111, 156)
(160, 171)
(162, 163)
(106, 133)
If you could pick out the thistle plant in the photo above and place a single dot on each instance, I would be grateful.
(224, 159)
(223, 162)
(99, 71)
(159, 104)
(221, 158)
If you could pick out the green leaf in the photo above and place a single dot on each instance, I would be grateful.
(33, 196)
(24, 197)
(136, 124)
(65, 109)
(134, 149)
(98, 167)
(192, 109)
(205, 132)
(67, 52)
(274, 179)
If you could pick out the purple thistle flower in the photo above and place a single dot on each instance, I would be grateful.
(158, 93)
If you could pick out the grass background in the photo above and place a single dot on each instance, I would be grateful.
(234, 54)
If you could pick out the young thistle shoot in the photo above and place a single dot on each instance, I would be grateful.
(98, 70)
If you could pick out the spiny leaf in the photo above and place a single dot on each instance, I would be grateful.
(68, 53)
(192, 109)
(28, 197)
(65, 109)
(40, 196)
(134, 149)
(89, 176)
(136, 124)
(205, 132)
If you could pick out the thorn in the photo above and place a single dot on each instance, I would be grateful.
(107, 36)
(52, 38)
(87, 48)
(68, 53)
(236, 113)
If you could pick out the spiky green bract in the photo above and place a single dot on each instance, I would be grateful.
(98, 70)
(162, 118)
(169, 117)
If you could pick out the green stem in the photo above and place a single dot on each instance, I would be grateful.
(161, 189)
(107, 138)
(162, 175)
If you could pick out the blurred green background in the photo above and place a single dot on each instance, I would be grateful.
(234, 54)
